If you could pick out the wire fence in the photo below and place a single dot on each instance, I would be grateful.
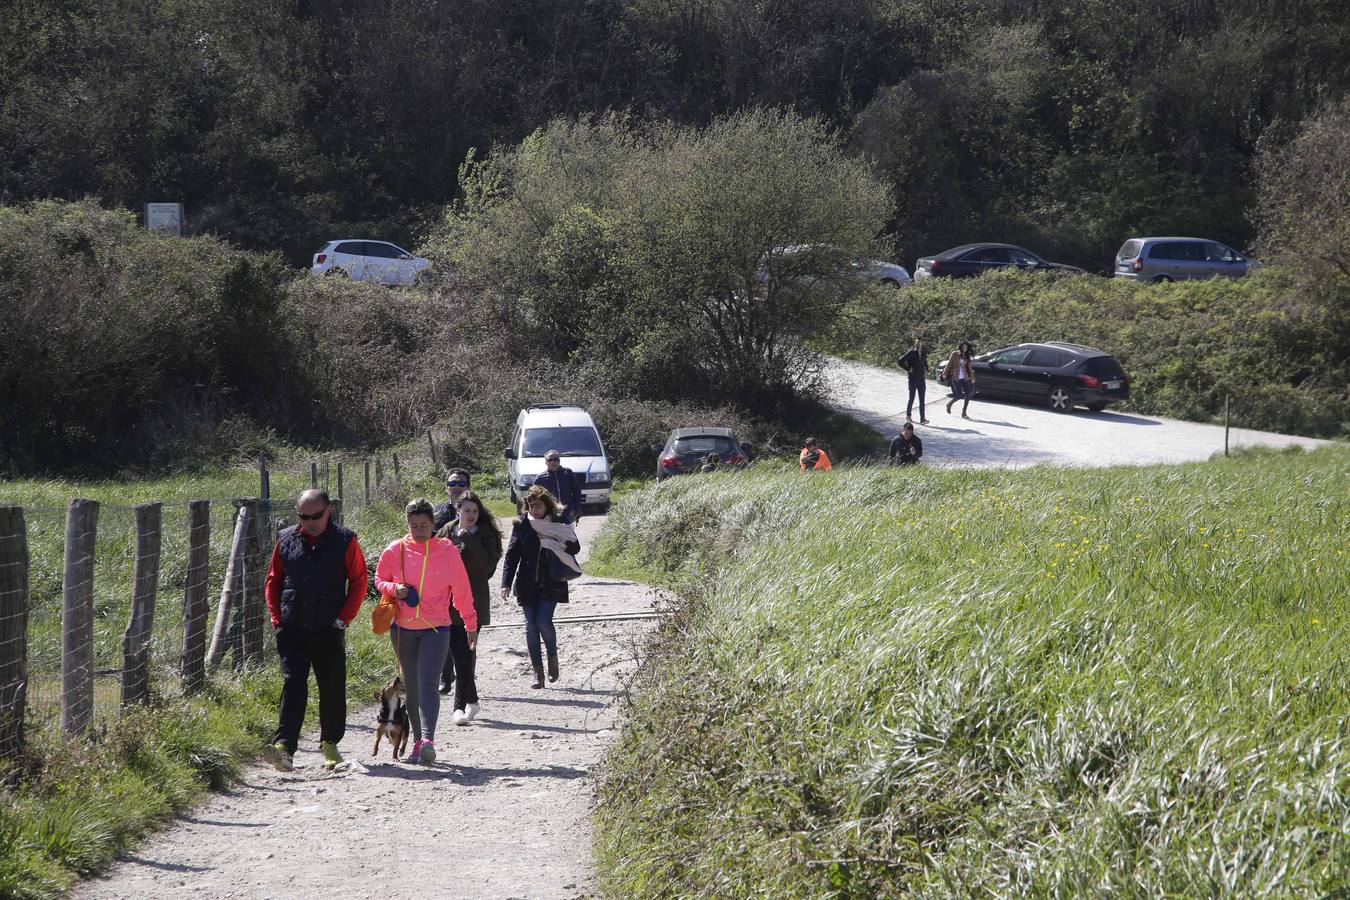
(105, 605)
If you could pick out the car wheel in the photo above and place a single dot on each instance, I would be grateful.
(1060, 399)
(338, 272)
(1162, 279)
(890, 283)
(1098, 406)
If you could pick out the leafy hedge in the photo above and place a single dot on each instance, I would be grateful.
(1279, 350)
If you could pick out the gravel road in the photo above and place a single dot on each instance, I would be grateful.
(1008, 434)
(504, 812)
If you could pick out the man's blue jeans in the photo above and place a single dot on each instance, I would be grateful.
(919, 386)
(539, 623)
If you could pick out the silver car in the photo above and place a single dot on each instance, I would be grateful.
(1179, 258)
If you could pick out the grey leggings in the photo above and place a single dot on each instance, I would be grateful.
(421, 654)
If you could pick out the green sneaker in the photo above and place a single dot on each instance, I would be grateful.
(331, 756)
(279, 756)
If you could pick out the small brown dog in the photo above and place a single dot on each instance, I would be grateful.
(393, 718)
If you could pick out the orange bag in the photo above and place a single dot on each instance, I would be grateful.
(383, 615)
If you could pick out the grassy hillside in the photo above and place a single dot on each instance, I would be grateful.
(1047, 682)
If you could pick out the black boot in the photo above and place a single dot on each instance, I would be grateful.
(553, 666)
(538, 675)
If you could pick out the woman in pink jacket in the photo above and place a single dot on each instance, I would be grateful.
(425, 574)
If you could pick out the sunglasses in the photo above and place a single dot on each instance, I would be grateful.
(549, 459)
(311, 517)
(456, 484)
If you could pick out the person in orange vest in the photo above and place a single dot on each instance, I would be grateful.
(813, 457)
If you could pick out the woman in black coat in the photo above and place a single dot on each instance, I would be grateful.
(526, 567)
(475, 533)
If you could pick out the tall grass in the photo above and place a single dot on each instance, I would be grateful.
(72, 803)
(1125, 682)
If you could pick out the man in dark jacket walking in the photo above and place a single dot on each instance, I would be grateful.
(906, 448)
(314, 589)
(915, 364)
(456, 486)
(562, 483)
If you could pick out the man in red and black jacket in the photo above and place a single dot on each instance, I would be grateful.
(314, 589)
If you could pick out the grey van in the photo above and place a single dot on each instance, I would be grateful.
(1177, 258)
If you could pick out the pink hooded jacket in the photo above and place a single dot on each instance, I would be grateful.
(437, 571)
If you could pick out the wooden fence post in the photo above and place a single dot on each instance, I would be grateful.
(194, 597)
(379, 471)
(255, 575)
(336, 510)
(265, 501)
(339, 477)
(313, 475)
(325, 473)
(233, 573)
(140, 628)
(398, 476)
(431, 442)
(13, 629)
(367, 468)
(77, 618)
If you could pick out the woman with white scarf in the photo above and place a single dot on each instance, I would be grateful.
(540, 560)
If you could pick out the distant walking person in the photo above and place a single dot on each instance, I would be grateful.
(456, 483)
(915, 363)
(906, 448)
(476, 535)
(813, 456)
(961, 373)
(314, 589)
(527, 568)
(562, 483)
(426, 575)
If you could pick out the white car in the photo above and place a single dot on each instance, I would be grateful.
(867, 271)
(571, 431)
(368, 261)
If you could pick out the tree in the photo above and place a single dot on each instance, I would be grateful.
(1303, 204)
(663, 249)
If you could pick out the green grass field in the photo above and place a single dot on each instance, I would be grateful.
(1124, 682)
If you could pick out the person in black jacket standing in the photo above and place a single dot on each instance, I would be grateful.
(526, 567)
(562, 483)
(456, 484)
(915, 363)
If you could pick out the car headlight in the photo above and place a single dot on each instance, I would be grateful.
(600, 475)
(525, 481)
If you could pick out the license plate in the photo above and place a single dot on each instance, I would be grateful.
(1112, 385)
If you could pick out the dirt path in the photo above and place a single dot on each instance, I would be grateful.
(1007, 434)
(504, 812)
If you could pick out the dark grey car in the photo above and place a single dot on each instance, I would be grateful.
(1178, 258)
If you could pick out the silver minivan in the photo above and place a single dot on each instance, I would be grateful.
(1178, 258)
(571, 431)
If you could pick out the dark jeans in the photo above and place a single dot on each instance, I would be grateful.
(539, 624)
(325, 650)
(465, 661)
(920, 387)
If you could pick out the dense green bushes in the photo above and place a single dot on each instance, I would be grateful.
(1048, 683)
(1281, 351)
(124, 346)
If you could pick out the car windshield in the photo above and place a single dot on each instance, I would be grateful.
(1103, 367)
(702, 444)
(573, 441)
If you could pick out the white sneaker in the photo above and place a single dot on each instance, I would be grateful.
(470, 711)
(460, 717)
